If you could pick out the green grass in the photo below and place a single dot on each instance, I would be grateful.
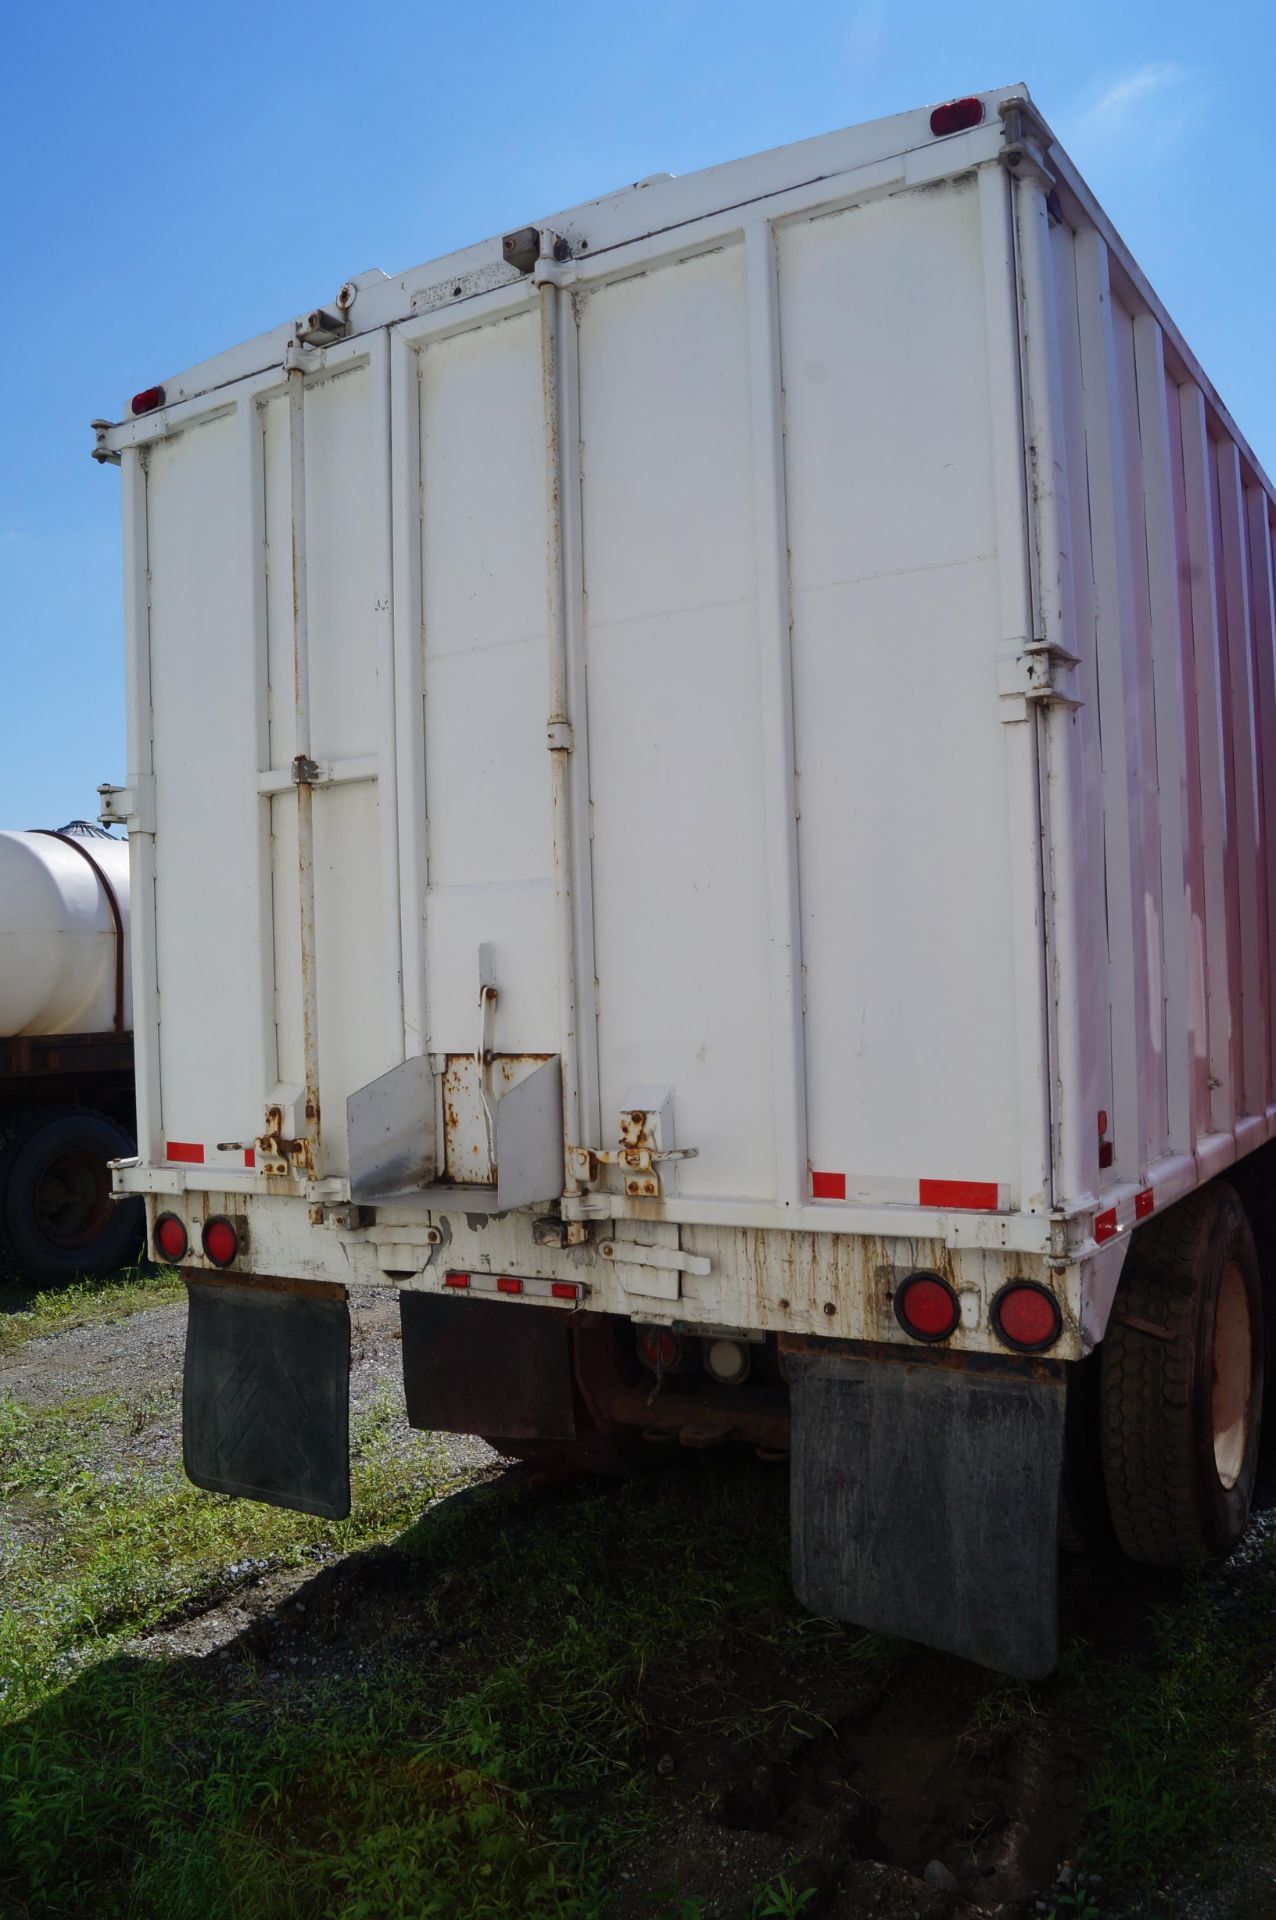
(107, 1553)
(485, 1740)
(27, 1312)
(494, 1780)
(1181, 1734)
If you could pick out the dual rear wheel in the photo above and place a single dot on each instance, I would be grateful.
(1180, 1383)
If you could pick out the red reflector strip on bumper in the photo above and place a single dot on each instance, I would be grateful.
(456, 1279)
(828, 1186)
(250, 1157)
(979, 1195)
(1105, 1225)
(506, 1283)
(1144, 1204)
(189, 1151)
(564, 1290)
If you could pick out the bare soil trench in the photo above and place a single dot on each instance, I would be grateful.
(893, 1782)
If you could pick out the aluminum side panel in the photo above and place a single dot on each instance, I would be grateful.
(905, 864)
(681, 920)
(485, 674)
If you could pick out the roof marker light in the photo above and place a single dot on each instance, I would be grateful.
(956, 115)
(147, 400)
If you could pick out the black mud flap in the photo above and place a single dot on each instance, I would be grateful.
(925, 1502)
(484, 1366)
(266, 1395)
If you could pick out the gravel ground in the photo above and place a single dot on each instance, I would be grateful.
(140, 1359)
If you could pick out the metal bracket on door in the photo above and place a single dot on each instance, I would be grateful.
(483, 1052)
(668, 1259)
(639, 1165)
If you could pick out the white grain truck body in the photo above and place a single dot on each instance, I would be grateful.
(741, 726)
(66, 1053)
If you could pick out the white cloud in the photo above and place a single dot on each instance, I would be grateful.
(1154, 104)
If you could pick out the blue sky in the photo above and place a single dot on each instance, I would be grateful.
(178, 180)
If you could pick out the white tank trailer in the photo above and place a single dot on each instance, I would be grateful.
(66, 1053)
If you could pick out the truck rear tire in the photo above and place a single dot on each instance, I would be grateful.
(1182, 1383)
(57, 1218)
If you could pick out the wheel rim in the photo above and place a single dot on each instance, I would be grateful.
(1233, 1374)
(73, 1199)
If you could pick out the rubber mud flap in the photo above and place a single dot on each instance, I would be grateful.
(925, 1502)
(484, 1366)
(266, 1394)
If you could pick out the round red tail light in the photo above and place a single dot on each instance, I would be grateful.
(659, 1349)
(221, 1242)
(926, 1307)
(170, 1238)
(1026, 1316)
(956, 115)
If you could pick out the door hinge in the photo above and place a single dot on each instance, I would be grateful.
(1042, 674)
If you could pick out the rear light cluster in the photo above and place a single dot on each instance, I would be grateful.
(569, 1290)
(1025, 1315)
(221, 1240)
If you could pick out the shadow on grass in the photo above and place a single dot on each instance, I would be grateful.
(465, 1722)
(532, 1684)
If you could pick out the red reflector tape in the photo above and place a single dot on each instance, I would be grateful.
(828, 1186)
(565, 1290)
(456, 1279)
(978, 1194)
(189, 1151)
(250, 1158)
(1105, 1225)
(1144, 1203)
(506, 1283)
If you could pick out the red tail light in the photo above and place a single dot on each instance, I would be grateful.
(221, 1241)
(456, 1279)
(1026, 1316)
(956, 115)
(659, 1349)
(147, 400)
(926, 1307)
(170, 1238)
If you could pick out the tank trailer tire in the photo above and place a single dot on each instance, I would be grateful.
(1181, 1390)
(57, 1219)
